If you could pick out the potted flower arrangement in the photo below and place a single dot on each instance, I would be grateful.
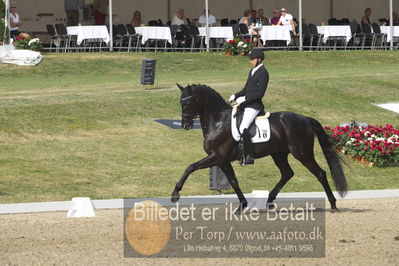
(373, 145)
(230, 47)
(24, 41)
(237, 46)
(243, 47)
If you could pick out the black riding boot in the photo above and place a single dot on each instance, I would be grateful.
(247, 149)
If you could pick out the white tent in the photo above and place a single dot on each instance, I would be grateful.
(331, 8)
(313, 11)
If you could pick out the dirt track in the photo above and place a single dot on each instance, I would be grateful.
(363, 232)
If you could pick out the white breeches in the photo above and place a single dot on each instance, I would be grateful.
(248, 117)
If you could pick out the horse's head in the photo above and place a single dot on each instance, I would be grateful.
(190, 105)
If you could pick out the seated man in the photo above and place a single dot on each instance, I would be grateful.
(179, 18)
(276, 17)
(211, 20)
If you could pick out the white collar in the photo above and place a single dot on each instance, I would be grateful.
(256, 68)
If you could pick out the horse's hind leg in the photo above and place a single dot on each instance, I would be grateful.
(314, 167)
(281, 160)
(229, 172)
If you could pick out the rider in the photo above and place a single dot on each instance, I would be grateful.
(250, 100)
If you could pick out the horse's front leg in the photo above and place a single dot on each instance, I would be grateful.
(201, 164)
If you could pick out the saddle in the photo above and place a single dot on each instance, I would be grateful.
(259, 130)
(253, 129)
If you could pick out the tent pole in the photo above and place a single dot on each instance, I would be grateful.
(391, 23)
(300, 26)
(206, 26)
(6, 22)
(111, 32)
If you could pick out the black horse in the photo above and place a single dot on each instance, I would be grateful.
(290, 133)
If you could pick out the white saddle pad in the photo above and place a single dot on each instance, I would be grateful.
(262, 128)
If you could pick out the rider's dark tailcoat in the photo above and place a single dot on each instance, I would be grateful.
(254, 89)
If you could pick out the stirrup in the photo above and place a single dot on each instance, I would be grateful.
(246, 159)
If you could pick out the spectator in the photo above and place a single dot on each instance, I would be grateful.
(179, 18)
(100, 8)
(366, 18)
(245, 18)
(287, 20)
(211, 19)
(15, 20)
(136, 20)
(276, 17)
(261, 18)
(72, 11)
(253, 17)
(249, 19)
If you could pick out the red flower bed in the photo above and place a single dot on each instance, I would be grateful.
(375, 144)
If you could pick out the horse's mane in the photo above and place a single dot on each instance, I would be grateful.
(211, 93)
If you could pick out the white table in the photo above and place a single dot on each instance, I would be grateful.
(387, 30)
(154, 33)
(271, 33)
(89, 33)
(217, 32)
(335, 31)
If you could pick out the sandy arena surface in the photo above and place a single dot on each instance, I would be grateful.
(364, 232)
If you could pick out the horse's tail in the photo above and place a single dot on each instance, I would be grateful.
(333, 159)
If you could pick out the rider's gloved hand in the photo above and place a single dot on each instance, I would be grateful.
(240, 100)
(232, 98)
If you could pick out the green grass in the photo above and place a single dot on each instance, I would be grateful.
(82, 125)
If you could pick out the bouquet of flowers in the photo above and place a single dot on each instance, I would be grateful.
(25, 42)
(377, 145)
(230, 47)
(243, 47)
(237, 46)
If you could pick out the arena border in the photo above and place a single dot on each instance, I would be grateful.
(210, 199)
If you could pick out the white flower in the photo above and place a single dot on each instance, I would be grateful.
(245, 46)
(351, 140)
(35, 40)
(240, 44)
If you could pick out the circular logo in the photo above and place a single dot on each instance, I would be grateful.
(148, 227)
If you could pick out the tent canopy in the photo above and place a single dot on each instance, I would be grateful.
(314, 11)
(36, 14)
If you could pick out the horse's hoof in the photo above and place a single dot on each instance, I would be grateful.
(270, 206)
(238, 211)
(175, 197)
(334, 210)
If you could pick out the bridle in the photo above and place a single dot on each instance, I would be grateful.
(186, 100)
